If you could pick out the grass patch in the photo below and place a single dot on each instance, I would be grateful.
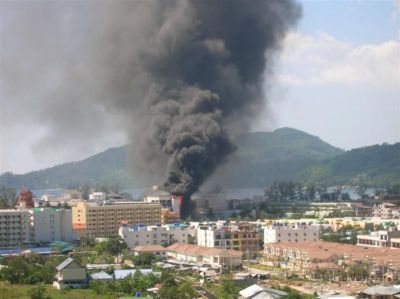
(9, 291)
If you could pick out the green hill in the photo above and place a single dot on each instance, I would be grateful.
(260, 159)
(108, 166)
(375, 165)
(263, 157)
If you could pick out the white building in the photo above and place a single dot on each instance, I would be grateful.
(241, 236)
(97, 196)
(14, 228)
(51, 224)
(381, 238)
(154, 235)
(290, 232)
(216, 257)
(386, 210)
(164, 198)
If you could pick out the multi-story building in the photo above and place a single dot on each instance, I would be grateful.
(237, 236)
(386, 210)
(93, 220)
(14, 228)
(291, 232)
(381, 238)
(51, 224)
(22, 227)
(140, 235)
(310, 257)
(170, 204)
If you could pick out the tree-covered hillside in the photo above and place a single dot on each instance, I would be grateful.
(261, 158)
(376, 165)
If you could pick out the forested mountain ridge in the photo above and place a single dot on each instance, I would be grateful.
(261, 157)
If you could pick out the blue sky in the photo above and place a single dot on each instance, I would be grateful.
(338, 76)
(357, 22)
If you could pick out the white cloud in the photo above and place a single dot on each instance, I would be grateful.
(322, 59)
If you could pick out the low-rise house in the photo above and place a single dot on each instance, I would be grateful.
(395, 243)
(381, 292)
(70, 274)
(382, 238)
(157, 250)
(193, 254)
(256, 291)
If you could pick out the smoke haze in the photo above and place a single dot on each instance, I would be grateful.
(178, 77)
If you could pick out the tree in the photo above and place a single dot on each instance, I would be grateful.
(85, 190)
(113, 246)
(38, 292)
(185, 291)
(169, 288)
(7, 197)
(144, 259)
(227, 290)
(15, 270)
(210, 214)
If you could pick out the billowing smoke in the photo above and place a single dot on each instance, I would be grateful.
(180, 76)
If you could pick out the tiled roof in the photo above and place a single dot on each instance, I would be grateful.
(320, 250)
(149, 248)
(202, 250)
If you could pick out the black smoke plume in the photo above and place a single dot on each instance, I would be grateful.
(180, 77)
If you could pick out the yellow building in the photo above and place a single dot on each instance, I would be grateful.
(94, 220)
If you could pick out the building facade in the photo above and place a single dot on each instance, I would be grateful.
(216, 257)
(291, 232)
(141, 235)
(70, 274)
(14, 228)
(51, 224)
(381, 238)
(386, 210)
(238, 236)
(96, 220)
(311, 257)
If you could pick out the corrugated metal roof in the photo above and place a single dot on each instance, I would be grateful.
(263, 292)
(100, 276)
(64, 263)
(382, 290)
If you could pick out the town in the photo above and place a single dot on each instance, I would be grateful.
(111, 245)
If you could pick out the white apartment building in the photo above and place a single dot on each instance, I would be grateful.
(238, 236)
(381, 238)
(290, 232)
(51, 224)
(386, 210)
(154, 235)
(37, 225)
(14, 228)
